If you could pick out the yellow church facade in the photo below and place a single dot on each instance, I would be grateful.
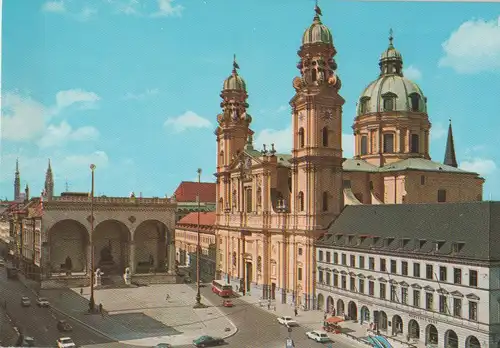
(271, 207)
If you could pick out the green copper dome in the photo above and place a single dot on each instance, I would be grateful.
(317, 33)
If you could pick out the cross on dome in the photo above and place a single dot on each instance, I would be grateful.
(391, 37)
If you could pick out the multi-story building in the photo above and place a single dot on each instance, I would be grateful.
(429, 272)
(271, 207)
(186, 196)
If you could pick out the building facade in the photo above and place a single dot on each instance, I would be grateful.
(271, 207)
(186, 196)
(432, 276)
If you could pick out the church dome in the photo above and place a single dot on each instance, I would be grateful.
(317, 32)
(391, 92)
(235, 82)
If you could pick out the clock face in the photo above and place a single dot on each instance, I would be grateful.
(327, 115)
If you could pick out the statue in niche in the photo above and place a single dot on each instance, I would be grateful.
(107, 254)
(259, 196)
(234, 259)
(259, 263)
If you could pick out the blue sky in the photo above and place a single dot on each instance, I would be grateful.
(133, 86)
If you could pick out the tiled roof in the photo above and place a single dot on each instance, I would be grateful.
(418, 228)
(187, 191)
(206, 219)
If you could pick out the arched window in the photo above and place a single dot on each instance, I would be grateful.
(325, 136)
(388, 104)
(301, 201)
(364, 145)
(325, 201)
(388, 143)
(415, 143)
(363, 105)
(301, 137)
(415, 102)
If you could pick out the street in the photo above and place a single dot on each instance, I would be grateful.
(258, 327)
(41, 323)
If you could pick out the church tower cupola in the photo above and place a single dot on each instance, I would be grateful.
(391, 61)
(17, 182)
(450, 158)
(49, 182)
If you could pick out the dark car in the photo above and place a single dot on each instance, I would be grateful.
(164, 345)
(63, 325)
(207, 341)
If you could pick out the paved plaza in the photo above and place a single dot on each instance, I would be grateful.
(143, 316)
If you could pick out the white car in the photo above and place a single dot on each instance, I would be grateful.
(287, 321)
(318, 336)
(65, 342)
(2, 263)
(42, 302)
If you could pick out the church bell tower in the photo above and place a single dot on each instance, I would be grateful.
(317, 131)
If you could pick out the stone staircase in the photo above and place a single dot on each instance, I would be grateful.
(113, 281)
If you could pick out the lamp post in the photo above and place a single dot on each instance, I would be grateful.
(92, 301)
(198, 303)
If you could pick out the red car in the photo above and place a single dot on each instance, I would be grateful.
(227, 303)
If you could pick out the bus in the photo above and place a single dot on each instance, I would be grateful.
(222, 289)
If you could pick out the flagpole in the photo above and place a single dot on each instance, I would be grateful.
(92, 300)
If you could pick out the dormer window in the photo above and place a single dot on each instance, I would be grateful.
(364, 105)
(388, 104)
(415, 102)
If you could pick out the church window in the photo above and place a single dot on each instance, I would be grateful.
(325, 201)
(363, 105)
(301, 137)
(364, 145)
(249, 200)
(415, 102)
(301, 201)
(389, 143)
(441, 196)
(325, 136)
(388, 101)
(415, 139)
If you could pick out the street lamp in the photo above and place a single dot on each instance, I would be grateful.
(92, 301)
(198, 303)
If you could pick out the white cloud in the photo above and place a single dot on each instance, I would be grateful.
(438, 131)
(98, 158)
(142, 95)
(187, 120)
(130, 7)
(60, 135)
(87, 13)
(54, 6)
(412, 73)
(473, 47)
(22, 118)
(166, 8)
(479, 165)
(283, 142)
(69, 97)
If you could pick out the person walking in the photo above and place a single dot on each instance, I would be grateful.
(296, 311)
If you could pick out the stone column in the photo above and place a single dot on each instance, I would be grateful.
(171, 258)
(132, 263)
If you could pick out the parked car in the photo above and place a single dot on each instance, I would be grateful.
(25, 301)
(65, 342)
(289, 343)
(318, 336)
(227, 303)
(29, 342)
(287, 321)
(207, 341)
(2, 263)
(42, 302)
(63, 325)
(164, 345)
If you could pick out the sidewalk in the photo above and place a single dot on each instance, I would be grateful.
(8, 334)
(142, 316)
(310, 320)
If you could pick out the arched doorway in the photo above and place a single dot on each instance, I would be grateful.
(111, 247)
(397, 325)
(431, 335)
(329, 304)
(321, 302)
(352, 311)
(340, 307)
(68, 241)
(151, 244)
(365, 315)
(413, 329)
(380, 320)
(473, 342)
(450, 339)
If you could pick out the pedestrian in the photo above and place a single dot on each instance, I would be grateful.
(100, 309)
(275, 308)
(296, 311)
(81, 291)
(324, 316)
(168, 297)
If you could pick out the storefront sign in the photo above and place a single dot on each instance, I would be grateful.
(417, 317)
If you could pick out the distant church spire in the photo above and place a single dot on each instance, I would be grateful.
(450, 158)
(17, 182)
(49, 182)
